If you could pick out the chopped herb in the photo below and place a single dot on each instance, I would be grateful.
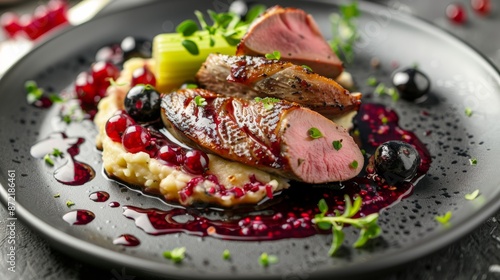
(384, 120)
(69, 203)
(54, 98)
(176, 255)
(191, 86)
(200, 101)
(48, 160)
(363, 152)
(473, 161)
(226, 255)
(468, 112)
(356, 132)
(274, 55)
(266, 260)
(444, 219)
(57, 153)
(57, 195)
(267, 101)
(472, 196)
(372, 81)
(307, 68)
(380, 89)
(34, 92)
(314, 133)
(353, 164)
(190, 46)
(187, 27)
(344, 31)
(337, 144)
(392, 92)
(66, 119)
(368, 226)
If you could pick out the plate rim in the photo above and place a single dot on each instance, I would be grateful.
(95, 254)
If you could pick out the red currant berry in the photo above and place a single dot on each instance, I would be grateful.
(116, 126)
(136, 139)
(170, 154)
(10, 23)
(143, 76)
(456, 13)
(85, 90)
(102, 71)
(482, 7)
(195, 162)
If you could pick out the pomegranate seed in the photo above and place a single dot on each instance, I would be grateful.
(85, 90)
(30, 27)
(10, 23)
(482, 7)
(195, 162)
(57, 12)
(41, 19)
(135, 139)
(143, 76)
(456, 13)
(269, 191)
(170, 153)
(116, 125)
(238, 192)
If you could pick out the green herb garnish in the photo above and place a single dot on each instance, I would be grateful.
(176, 255)
(472, 196)
(307, 68)
(227, 25)
(274, 55)
(57, 153)
(392, 92)
(200, 101)
(380, 89)
(368, 226)
(344, 31)
(268, 102)
(372, 81)
(190, 86)
(54, 98)
(314, 133)
(444, 219)
(353, 164)
(57, 195)
(473, 161)
(337, 144)
(266, 260)
(468, 112)
(69, 203)
(226, 255)
(48, 160)
(34, 92)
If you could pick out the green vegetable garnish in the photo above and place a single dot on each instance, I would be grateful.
(200, 101)
(337, 144)
(473, 161)
(314, 133)
(226, 255)
(176, 255)
(344, 31)
(187, 27)
(380, 89)
(472, 196)
(48, 160)
(468, 112)
(274, 55)
(69, 203)
(54, 98)
(266, 260)
(57, 195)
(353, 164)
(307, 68)
(372, 81)
(57, 153)
(368, 226)
(190, 46)
(444, 219)
(267, 101)
(34, 92)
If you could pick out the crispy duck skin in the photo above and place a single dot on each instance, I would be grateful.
(273, 138)
(295, 34)
(251, 76)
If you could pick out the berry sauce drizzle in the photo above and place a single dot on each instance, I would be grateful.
(99, 196)
(127, 240)
(291, 213)
(79, 217)
(67, 170)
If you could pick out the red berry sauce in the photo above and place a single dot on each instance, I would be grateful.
(79, 217)
(70, 171)
(456, 13)
(99, 196)
(127, 240)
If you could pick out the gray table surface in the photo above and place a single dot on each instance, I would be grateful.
(476, 256)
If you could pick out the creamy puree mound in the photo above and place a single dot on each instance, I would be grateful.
(242, 184)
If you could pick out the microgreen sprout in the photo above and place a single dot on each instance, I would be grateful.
(69, 203)
(34, 92)
(266, 259)
(367, 225)
(274, 55)
(226, 255)
(176, 255)
(200, 101)
(344, 31)
(444, 219)
(268, 102)
(372, 81)
(468, 112)
(472, 196)
(473, 161)
(307, 68)
(57, 195)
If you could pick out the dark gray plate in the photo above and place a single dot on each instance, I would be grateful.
(460, 77)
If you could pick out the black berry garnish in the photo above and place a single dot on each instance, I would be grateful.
(396, 161)
(411, 83)
(142, 103)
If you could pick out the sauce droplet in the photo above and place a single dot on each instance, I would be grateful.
(79, 217)
(114, 204)
(99, 196)
(127, 240)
